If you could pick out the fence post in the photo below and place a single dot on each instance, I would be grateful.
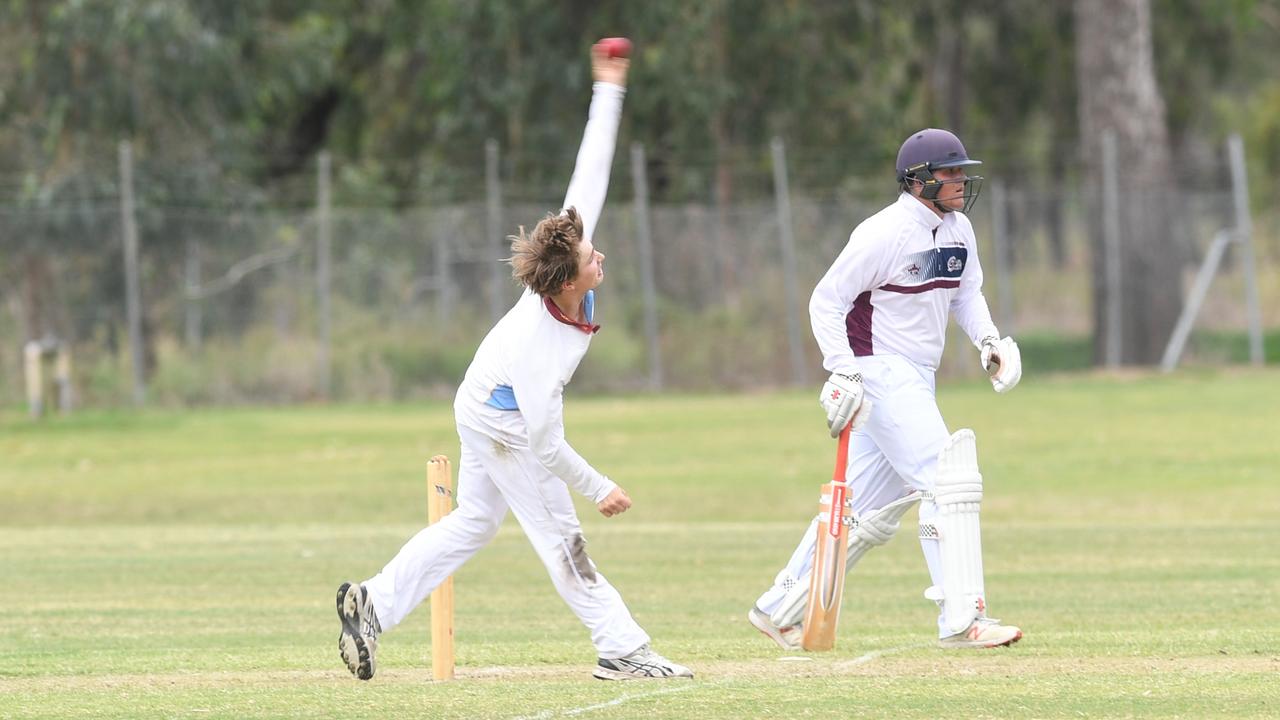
(62, 377)
(324, 268)
(194, 310)
(443, 280)
(1000, 248)
(644, 241)
(31, 358)
(1199, 289)
(1111, 248)
(493, 207)
(133, 293)
(726, 284)
(782, 197)
(1244, 235)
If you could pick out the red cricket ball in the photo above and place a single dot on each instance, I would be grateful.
(615, 47)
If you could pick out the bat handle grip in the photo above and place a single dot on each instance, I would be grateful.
(842, 455)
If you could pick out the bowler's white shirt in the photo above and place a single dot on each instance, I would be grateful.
(534, 353)
(891, 289)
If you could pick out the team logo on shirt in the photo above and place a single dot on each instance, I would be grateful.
(934, 268)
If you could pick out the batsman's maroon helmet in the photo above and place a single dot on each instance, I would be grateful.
(933, 149)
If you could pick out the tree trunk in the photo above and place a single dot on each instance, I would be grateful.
(722, 184)
(950, 73)
(1118, 93)
(1062, 126)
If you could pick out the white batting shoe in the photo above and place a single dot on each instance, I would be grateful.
(788, 638)
(641, 664)
(983, 633)
(358, 641)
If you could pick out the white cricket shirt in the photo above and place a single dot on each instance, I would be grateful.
(890, 290)
(515, 385)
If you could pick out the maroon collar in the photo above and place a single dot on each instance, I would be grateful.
(558, 314)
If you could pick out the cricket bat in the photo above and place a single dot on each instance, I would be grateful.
(826, 580)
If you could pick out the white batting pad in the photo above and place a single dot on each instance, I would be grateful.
(958, 495)
(878, 527)
(873, 530)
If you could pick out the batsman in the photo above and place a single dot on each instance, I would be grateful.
(880, 318)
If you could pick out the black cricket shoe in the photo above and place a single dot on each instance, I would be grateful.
(358, 641)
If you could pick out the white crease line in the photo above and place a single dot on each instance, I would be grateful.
(545, 714)
(874, 654)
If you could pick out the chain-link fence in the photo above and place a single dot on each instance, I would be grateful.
(323, 295)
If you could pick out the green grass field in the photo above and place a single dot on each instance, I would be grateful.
(183, 564)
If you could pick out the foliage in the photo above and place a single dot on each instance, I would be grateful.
(410, 91)
(227, 104)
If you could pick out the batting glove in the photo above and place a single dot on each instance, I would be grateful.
(843, 399)
(1003, 362)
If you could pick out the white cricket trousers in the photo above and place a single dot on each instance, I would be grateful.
(494, 475)
(895, 453)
